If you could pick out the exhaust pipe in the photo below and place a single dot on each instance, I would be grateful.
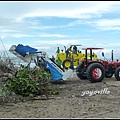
(112, 55)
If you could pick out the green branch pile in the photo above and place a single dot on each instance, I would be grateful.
(31, 83)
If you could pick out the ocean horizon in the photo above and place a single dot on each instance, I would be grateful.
(17, 61)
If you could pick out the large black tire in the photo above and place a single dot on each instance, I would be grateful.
(81, 76)
(66, 63)
(80, 72)
(117, 73)
(108, 75)
(95, 72)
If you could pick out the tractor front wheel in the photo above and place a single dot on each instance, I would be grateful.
(117, 73)
(95, 72)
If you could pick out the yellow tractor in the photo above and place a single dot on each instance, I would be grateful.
(71, 57)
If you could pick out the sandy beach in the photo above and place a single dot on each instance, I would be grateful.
(76, 99)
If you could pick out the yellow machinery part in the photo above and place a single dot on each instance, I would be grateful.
(77, 58)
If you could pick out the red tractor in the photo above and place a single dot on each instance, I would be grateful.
(96, 70)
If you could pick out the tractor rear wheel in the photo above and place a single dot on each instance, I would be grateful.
(80, 72)
(117, 73)
(95, 72)
(81, 76)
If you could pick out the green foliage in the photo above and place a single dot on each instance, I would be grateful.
(31, 82)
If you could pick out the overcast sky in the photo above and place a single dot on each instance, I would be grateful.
(48, 25)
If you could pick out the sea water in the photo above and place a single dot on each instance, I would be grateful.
(17, 62)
